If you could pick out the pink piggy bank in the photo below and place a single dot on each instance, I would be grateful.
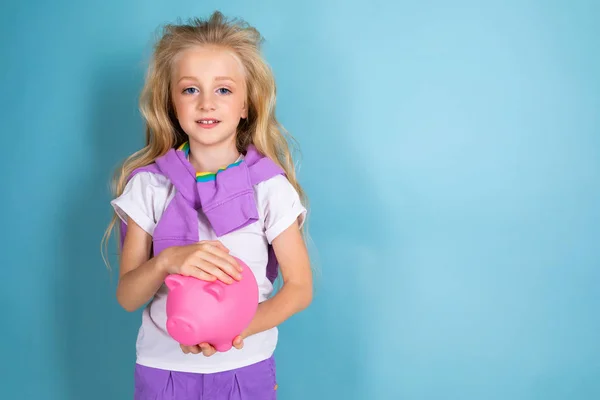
(213, 312)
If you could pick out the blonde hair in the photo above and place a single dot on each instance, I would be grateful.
(163, 132)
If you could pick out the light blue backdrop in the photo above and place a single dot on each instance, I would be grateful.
(451, 151)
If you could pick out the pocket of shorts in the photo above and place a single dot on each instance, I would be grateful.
(257, 381)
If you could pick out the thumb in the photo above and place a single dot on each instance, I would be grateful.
(238, 342)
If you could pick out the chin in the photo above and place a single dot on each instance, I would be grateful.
(209, 140)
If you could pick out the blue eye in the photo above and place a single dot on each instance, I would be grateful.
(189, 90)
(223, 90)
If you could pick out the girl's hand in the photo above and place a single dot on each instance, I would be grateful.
(207, 350)
(207, 260)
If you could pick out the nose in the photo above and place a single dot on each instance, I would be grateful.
(206, 102)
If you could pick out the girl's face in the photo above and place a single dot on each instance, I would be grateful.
(208, 90)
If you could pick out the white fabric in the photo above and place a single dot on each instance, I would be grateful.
(144, 199)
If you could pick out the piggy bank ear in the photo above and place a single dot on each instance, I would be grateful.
(173, 281)
(215, 290)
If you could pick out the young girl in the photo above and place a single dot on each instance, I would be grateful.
(215, 180)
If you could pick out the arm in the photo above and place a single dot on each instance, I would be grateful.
(296, 293)
(140, 276)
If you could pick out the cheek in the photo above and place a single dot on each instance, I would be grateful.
(176, 105)
(236, 105)
(182, 108)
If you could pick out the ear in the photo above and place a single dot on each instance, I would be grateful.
(174, 280)
(244, 112)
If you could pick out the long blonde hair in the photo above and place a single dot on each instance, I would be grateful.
(163, 132)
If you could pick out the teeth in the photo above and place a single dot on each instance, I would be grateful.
(207, 122)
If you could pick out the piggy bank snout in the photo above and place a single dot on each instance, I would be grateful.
(182, 329)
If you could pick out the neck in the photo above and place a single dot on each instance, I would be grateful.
(211, 158)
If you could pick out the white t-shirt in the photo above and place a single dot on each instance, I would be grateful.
(144, 199)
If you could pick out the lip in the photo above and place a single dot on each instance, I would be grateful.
(208, 126)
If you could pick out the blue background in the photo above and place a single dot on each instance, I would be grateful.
(451, 151)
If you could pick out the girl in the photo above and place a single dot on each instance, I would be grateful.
(215, 180)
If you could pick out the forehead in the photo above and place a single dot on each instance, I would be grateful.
(206, 62)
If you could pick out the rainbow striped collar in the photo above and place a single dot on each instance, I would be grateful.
(206, 176)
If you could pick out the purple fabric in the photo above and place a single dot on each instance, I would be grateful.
(227, 201)
(254, 382)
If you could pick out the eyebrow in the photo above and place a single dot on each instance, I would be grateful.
(218, 78)
(224, 78)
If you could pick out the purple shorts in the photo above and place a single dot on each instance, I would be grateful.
(254, 382)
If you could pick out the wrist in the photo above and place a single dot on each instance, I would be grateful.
(163, 261)
(245, 333)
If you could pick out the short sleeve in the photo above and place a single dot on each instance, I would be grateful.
(143, 200)
(280, 204)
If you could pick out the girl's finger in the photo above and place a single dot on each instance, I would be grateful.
(238, 343)
(222, 259)
(190, 349)
(216, 243)
(218, 262)
(214, 270)
(198, 274)
(207, 349)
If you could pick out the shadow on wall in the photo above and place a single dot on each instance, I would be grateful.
(96, 336)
